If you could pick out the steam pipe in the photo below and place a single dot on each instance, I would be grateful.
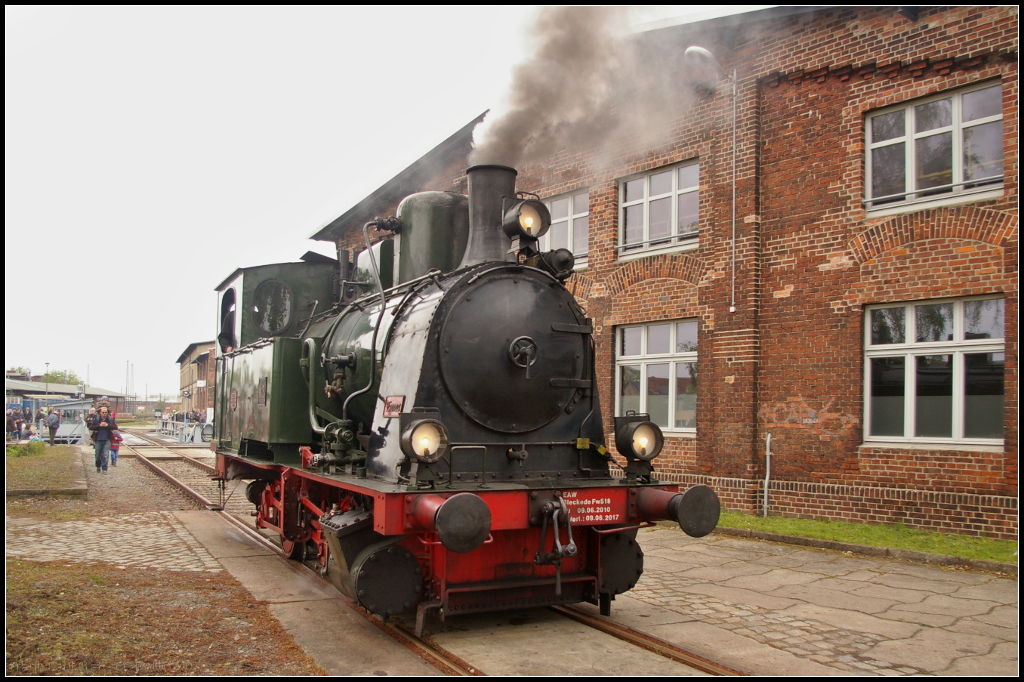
(309, 321)
(314, 423)
(376, 327)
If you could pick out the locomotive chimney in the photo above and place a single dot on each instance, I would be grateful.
(488, 185)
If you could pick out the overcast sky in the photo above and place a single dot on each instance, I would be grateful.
(151, 151)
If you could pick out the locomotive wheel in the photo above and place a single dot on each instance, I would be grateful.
(254, 491)
(293, 550)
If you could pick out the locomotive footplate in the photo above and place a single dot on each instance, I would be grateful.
(517, 594)
(500, 595)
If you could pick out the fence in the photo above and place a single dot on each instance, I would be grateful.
(183, 432)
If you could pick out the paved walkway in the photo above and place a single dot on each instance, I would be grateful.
(813, 611)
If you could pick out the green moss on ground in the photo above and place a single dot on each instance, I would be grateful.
(896, 537)
(58, 467)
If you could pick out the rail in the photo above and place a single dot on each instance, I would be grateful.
(646, 641)
(181, 485)
(424, 647)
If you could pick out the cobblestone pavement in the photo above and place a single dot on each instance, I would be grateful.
(854, 614)
(114, 528)
(152, 539)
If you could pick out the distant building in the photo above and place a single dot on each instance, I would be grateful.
(196, 365)
(35, 394)
(148, 407)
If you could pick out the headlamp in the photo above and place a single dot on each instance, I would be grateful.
(425, 440)
(636, 437)
(527, 218)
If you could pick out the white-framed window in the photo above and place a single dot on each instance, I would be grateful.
(941, 149)
(660, 209)
(934, 371)
(656, 373)
(570, 224)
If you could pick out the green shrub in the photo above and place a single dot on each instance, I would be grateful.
(31, 449)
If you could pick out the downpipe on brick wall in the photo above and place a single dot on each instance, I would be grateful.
(767, 473)
(695, 53)
(732, 306)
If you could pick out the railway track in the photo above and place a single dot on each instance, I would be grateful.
(191, 475)
(645, 641)
(194, 477)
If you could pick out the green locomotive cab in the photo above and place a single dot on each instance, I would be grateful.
(263, 311)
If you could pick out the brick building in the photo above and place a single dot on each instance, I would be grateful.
(197, 376)
(857, 302)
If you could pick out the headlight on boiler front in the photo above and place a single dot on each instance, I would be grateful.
(526, 218)
(645, 441)
(425, 440)
(636, 437)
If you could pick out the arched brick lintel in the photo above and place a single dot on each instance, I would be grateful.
(964, 222)
(682, 266)
(580, 286)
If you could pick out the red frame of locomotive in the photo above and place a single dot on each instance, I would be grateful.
(502, 572)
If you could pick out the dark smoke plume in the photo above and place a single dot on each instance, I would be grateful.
(589, 83)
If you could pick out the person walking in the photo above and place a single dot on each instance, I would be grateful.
(52, 423)
(102, 427)
(115, 448)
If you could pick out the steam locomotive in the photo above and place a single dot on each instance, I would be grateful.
(422, 423)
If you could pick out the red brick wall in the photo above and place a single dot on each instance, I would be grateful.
(824, 260)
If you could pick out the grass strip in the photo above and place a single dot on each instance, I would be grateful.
(896, 537)
(57, 467)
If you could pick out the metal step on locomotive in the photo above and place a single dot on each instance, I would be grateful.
(424, 423)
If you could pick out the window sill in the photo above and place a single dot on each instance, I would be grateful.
(658, 251)
(954, 447)
(679, 433)
(922, 204)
